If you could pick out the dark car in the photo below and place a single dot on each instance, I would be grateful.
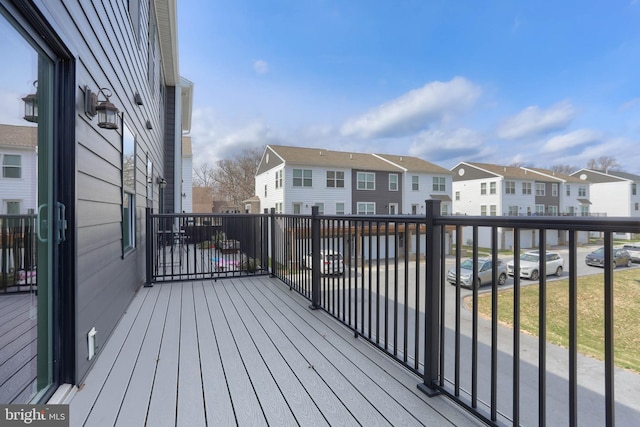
(620, 257)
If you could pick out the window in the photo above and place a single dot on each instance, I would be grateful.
(457, 195)
(366, 181)
(571, 210)
(582, 191)
(13, 207)
(513, 210)
(526, 188)
(539, 209)
(540, 189)
(11, 166)
(568, 190)
(636, 206)
(584, 210)
(340, 208)
(335, 179)
(279, 179)
(320, 206)
(393, 182)
(415, 183)
(509, 187)
(265, 190)
(483, 210)
(633, 189)
(414, 209)
(280, 207)
(492, 188)
(128, 189)
(554, 189)
(552, 210)
(439, 183)
(297, 208)
(302, 178)
(492, 210)
(483, 188)
(444, 209)
(149, 182)
(366, 208)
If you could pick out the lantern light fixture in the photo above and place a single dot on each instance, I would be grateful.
(107, 112)
(162, 183)
(31, 105)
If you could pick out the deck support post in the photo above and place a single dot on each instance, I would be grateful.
(434, 235)
(315, 259)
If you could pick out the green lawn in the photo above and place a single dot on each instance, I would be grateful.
(590, 314)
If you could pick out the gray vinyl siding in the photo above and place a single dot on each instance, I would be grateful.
(381, 196)
(548, 199)
(107, 280)
(169, 149)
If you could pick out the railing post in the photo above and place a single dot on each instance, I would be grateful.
(272, 217)
(149, 247)
(434, 235)
(315, 259)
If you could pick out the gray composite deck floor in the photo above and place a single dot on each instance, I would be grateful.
(249, 352)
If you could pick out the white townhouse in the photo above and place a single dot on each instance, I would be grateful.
(613, 193)
(19, 159)
(422, 180)
(492, 190)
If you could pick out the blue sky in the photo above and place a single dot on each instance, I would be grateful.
(538, 82)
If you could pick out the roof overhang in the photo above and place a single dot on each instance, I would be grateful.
(584, 201)
(442, 197)
(166, 17)
(186, 88)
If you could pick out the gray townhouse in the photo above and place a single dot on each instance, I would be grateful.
(93, 111)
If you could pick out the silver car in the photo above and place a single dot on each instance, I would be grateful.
(634, 251)
(485, 273)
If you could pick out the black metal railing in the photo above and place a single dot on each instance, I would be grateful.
(385, 279)
(18, 253)
(198, 246)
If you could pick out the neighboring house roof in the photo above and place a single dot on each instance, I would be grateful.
(625, 175)
(556, 175)
(18, 136)
(413, 164)
(512, 172)
(252, 199)
(599, 177)
(302, 156)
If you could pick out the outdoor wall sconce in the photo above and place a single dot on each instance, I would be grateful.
(137, 98)
(107, 112)
(31, 105)
(149, 126)
(162, 183)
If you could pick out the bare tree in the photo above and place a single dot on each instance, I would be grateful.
(564, 169)
(203, 176)
(235, 178)
(603, 163)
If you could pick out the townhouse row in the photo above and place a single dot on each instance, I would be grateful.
(294, 179)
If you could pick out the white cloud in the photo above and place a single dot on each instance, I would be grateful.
(570, 140)
(630, 104)
(445, 145)
(415, 110)
(533, 121)
(261, 67)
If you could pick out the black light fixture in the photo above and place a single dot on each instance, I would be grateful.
(149, 125)
(162, 183)
(31, 105)
(137, 98)
(107, 112)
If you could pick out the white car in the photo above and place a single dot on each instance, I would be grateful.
(331, 262)
(634, 251)
(530, 265)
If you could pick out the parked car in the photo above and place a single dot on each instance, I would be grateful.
(634, 251)
(530, 265)
(485, 273)
(331, 262)
(620, 257)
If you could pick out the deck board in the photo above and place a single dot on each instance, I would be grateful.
(247, 352)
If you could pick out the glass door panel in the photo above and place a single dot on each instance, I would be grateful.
(26, 218)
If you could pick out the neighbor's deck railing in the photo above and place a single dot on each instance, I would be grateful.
(18, 253)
